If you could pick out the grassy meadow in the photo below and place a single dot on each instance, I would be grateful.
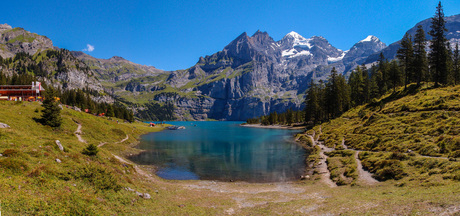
(422, 181)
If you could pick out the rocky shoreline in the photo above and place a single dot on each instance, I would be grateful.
(272, 126)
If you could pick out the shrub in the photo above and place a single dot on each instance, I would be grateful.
(10, 152)
(14, 165)
(90, 150)
(398, 156)
(118, 132)
(100, 177)
(455, 154)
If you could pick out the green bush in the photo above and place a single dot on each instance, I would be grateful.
(455, 154)
(90, 150)
(100, 177)
(10, 152)
(14, 165)
(384, 169)
(118, 132)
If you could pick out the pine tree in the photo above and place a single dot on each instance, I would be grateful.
(383, 68)
(456, 65)
(356, 82)
(395, 75)
(110, 112)
(420, 57)
(439, 52)
(51, 115)
(405, 55)
(312, 103)
(366, 83)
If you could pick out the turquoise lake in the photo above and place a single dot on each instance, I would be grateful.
(224, 151)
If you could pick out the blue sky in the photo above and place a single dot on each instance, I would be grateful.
(173, 34)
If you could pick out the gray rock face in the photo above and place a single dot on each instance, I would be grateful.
(14, 40)
(116, 68)
(253, 76)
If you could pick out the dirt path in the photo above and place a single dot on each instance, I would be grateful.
(78, 133)
(322, 165)
(126, 138)
(364, 176)
(343, 143)
(324, 172)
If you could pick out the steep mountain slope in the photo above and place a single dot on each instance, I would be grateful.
(116, 68)
(13, 41)
(252, 76)
(32, 53)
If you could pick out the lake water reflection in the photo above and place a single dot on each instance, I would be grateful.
(223, 151)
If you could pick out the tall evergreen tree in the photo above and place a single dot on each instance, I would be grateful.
(366, 83)
(405, 56)
(456, 65)
(395, 74)
(420, 57)
(383, 69)
(51, 115)
(356, 83)
(438, 56)
(312, 103)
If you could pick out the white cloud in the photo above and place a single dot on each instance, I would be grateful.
(89, 48)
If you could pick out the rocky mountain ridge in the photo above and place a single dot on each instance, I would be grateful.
(251, 76)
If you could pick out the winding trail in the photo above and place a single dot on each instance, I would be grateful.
(122, 160)
(78, 133)
(364, 176)
(101, 144)
(126, 138)
(322, 165)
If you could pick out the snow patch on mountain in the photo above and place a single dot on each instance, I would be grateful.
(370, 38)
(336, 59)
(294, 53)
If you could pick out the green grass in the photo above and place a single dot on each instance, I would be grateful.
(422, 121)
(342, 166)
(32, 182)
(23, 38)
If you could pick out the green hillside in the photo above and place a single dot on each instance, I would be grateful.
(410, 137)
(33, 182)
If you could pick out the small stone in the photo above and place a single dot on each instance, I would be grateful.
(181, 206)
(156, 191)
(75, 185)
(3, 125)
(58, 143)
(129, 189)
(57, 160)
(1, 155)
(146, 196)
(139, 194)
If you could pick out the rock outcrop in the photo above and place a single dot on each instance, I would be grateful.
(15, 40)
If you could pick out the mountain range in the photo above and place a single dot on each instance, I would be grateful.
(251, 76)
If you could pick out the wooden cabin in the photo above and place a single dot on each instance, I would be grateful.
(22, 92)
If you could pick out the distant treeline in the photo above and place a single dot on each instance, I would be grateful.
(286, 118)
(156, 112)
(329, 99)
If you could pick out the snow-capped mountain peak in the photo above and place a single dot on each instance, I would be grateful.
(370, 38)
(294, 35)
